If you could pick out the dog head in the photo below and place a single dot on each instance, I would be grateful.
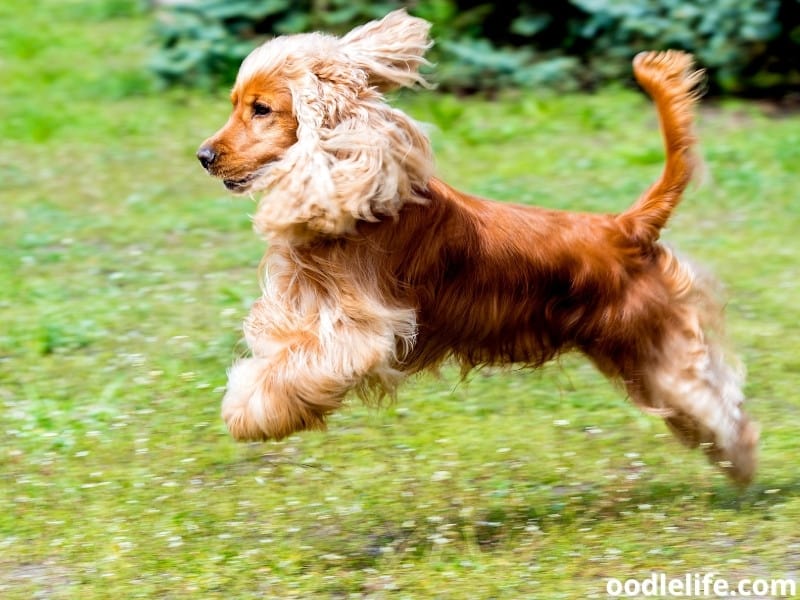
(310, 128)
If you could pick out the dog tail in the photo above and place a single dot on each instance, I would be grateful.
(668, 77)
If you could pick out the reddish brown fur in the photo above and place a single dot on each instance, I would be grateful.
(489, 283)
(499, 283)
(244, 144)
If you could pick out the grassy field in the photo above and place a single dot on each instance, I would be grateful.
(124, 276)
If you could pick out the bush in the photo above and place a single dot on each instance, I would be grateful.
(748, 46)
(203, 41)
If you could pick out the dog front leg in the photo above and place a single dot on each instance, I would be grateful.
(271, 398)
(296, 377)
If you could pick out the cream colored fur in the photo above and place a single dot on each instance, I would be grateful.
(318, 332)
(693, 383)
(315, 334)
(356, 158)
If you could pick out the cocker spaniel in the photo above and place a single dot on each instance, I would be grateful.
(376, 269)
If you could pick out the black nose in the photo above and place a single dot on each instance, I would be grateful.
(206, 156)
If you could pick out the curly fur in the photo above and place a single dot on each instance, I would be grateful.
(376, 269)
(355, 157)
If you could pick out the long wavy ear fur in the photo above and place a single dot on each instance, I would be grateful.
(355, 157)
(390, 51)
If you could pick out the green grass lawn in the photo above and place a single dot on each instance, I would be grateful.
(125, 274)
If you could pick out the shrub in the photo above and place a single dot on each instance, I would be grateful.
(202, 42)
(748, 46)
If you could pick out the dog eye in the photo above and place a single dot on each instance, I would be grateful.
(260, 110)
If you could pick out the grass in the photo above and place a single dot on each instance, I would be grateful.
(125, 275)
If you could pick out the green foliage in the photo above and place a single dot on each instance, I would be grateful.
(203, 41)
(727, 36)
(746, 45)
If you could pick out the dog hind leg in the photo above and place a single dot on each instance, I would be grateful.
(689, 382)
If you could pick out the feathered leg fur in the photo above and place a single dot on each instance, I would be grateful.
(688, 380)
(316, 334)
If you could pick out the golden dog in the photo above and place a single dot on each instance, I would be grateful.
(376, 269)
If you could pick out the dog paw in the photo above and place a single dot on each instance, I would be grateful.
(246, 407)
(264, 402)
(744, 456)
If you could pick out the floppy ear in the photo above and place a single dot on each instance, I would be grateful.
(299, 188)
(390, 51)
(355, 159)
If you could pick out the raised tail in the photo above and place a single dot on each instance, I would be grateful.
(668, 77)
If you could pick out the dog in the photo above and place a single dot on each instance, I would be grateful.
(376, 269)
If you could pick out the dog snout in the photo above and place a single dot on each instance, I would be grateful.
(206, 156)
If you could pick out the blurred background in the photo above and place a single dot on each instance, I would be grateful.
(748, 46)
(125, 273)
